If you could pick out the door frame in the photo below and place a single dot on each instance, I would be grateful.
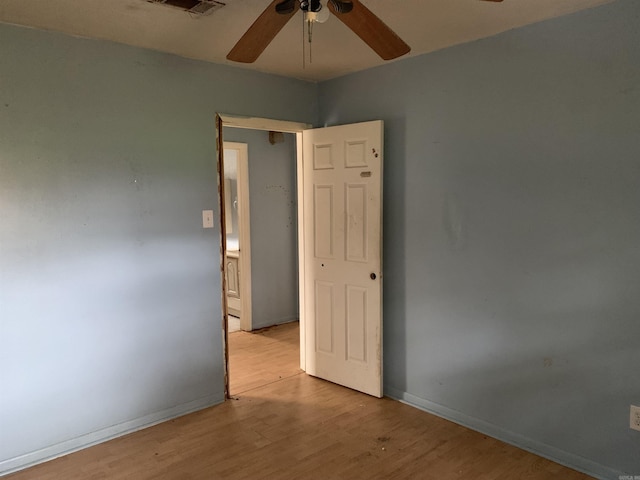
(257, 123)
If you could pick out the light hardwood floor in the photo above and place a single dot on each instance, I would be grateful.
(298, 427)
(266, 356)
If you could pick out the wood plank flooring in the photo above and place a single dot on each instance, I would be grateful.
(265, 356)
(299, 427)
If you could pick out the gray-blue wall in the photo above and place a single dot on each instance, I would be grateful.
(512, 232)
(109, 287)
(274, 247)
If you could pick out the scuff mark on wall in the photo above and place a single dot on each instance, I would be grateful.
(453, 222)
(277, 188)
(286, 193)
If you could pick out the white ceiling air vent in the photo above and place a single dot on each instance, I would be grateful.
(199, 7)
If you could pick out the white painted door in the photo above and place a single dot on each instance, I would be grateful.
(342, 197)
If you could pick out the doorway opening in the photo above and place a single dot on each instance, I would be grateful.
(260, 253)
(339, 217)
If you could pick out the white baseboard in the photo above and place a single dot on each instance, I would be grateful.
(567, 459)
(64, 448)
(280, 321)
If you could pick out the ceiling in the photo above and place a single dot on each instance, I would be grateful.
(426, 25)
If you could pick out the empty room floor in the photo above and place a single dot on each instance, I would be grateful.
(283, 424)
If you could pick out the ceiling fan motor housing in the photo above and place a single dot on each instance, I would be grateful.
(310, 5)
(286, 7)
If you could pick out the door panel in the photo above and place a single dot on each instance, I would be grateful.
(357, 228)
(342, 198)
(356, 323)
(323, 213)
(324, 330)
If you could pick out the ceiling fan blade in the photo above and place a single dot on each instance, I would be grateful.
(262, 32)
(373, 31)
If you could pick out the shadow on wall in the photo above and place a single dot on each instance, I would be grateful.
(394, 259)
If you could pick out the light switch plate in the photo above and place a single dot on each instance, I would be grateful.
(634, 418)
(207, 219)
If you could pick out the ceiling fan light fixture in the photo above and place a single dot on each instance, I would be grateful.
(319, 16)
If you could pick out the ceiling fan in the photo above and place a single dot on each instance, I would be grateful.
(364, 23)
